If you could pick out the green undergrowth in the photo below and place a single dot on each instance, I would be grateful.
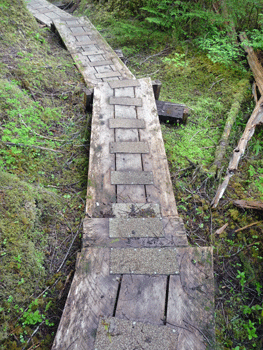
(43, 169)
(208, 88)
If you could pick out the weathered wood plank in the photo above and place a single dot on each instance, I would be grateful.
(101, 163)
(191, 299)
(85, 43)
(80, 60)
(87, 71)
(131, 178)
(174, 227)
(110, 54)
(126, 162)
(125, 101)
(93, 52)
(129, 147)
(96, 234)
(93, 293)
(171, 113)
(142, 298)
(156, 161)
(126, 123)
(101, 63)
(124, 83)
(140, 210)
(107, 75)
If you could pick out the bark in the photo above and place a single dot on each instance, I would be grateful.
(253, 62)
(255, 119)
(249, 204)
(231, 118)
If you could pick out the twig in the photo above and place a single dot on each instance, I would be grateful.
(194, 135)
(157, 54)
(239, 250)
(71, 244)
(214, 83)
(253, 223)
(176, 325)
(191, 325)
(32, 146)
(146, 75)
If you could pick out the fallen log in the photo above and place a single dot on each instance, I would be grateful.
(255, 119)
(231, 118)
(241, 203)
(253, 62)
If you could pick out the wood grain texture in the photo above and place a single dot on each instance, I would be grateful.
(162, 190)
(101, 163)
(191, 299)
(92, 294)
(96, 234)
(128, 162)
(81, 61)
(142, 298)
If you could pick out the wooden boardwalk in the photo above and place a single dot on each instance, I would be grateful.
(137, 285)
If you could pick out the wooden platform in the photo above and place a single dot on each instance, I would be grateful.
(137, 282)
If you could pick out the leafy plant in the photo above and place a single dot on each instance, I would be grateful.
(220, 47)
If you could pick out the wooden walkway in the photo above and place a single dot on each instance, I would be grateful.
(137, 285)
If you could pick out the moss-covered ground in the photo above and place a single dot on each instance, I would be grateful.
(43, 168)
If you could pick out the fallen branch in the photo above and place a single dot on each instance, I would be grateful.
(249, 204)
(71, 244)
(255, 119)
(231, 118)
(253, 62)
(221, 230)
(247, 226)
(31, 146)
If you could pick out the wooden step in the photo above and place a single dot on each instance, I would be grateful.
(182, 302)
(129, 147)
(136, 227)
(97, 233)
(132, 178)
(117, 334)
(105, 116)
(125, 123)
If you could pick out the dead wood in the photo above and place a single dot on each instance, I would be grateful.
(221, 229)
(249, 204)
(247, 226)
(231, 118)
(253, 62)
(255, 119)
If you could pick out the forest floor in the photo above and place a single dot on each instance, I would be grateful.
(44, 161)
